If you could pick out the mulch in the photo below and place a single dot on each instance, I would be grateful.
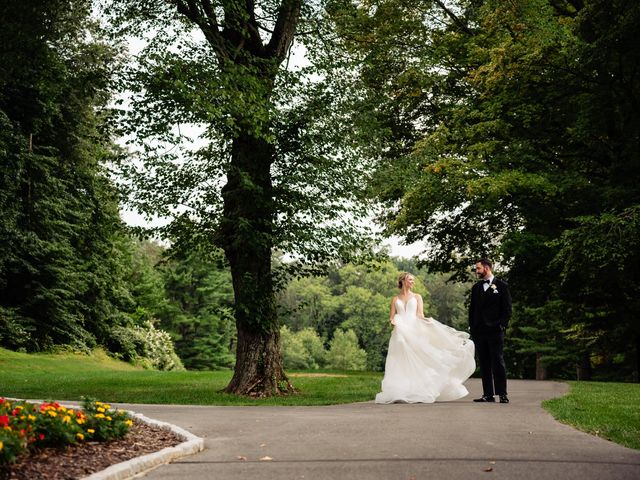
(77, 461)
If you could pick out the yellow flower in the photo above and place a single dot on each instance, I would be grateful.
(101, 410)
(52, 413)
(109, 418)
(80, 436)
(91, 430)
(99, 415)
(107, 406)
(1, 445)
(80, 421)
(8, 428)
(128, 423)
(32, 418)
(99, 403)
(66, 419)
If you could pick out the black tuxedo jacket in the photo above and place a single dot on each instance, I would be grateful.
(490, 311)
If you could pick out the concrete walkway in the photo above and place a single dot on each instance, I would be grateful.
(455, 440)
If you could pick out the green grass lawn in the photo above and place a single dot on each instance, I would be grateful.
(71, 376)
(608, 410)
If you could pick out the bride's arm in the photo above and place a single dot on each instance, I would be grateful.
(421, 308)
(392, 313)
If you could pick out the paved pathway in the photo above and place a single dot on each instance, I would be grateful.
(455, 440)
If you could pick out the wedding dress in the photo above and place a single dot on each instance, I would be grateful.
(427, 361)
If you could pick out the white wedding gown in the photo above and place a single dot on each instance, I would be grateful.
(427, 361)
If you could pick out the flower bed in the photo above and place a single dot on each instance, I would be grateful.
(25, 426)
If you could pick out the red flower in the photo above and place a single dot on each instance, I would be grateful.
(42, 436)
(44, 405)
(15, 412)
(4, 421)
(2, 400)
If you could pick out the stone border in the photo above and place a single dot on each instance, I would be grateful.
(135, 466)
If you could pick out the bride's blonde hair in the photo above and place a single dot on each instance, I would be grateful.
(403, 276)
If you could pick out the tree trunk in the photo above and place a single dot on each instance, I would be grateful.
(638, 357)
(247, 239)
(541, 370)
(583, 367)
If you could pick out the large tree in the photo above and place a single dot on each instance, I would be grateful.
(513, 132)
(272, 170)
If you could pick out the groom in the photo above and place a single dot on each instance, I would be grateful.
(489, 314)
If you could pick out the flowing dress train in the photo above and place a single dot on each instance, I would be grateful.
(427, 361)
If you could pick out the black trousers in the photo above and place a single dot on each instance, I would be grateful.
(492, 367)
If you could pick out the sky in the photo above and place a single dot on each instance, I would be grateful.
(394, 243)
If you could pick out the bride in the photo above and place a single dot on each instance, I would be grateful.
(427, 361)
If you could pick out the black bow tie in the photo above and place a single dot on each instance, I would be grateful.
(487, 281)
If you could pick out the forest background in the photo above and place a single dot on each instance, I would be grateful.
(505, 129)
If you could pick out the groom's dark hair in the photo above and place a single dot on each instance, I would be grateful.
(486, 262)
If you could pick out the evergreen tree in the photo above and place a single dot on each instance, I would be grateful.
(199, 311)
(60, 268)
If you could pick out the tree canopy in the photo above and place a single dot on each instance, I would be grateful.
(512, 132)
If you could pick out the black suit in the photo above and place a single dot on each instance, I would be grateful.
(489, 314)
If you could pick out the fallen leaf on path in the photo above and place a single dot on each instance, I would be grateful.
(266, 459)
(241, 457)
(488, 469)
(263, 444)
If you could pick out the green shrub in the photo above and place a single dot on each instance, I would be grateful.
(302, 350)
(145, 345)
(344, 352)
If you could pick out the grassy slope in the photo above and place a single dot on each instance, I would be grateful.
(70, 376)
(608, 410)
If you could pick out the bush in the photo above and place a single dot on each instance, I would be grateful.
(145, 345)
(344, 352)
(302, 350)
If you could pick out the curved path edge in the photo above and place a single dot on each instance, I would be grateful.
(135, 466)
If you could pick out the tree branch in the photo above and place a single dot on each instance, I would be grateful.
(207, 21)
(284, 29)
(463, 26)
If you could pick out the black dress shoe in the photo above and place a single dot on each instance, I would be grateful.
(504, 399)
(485, 398)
